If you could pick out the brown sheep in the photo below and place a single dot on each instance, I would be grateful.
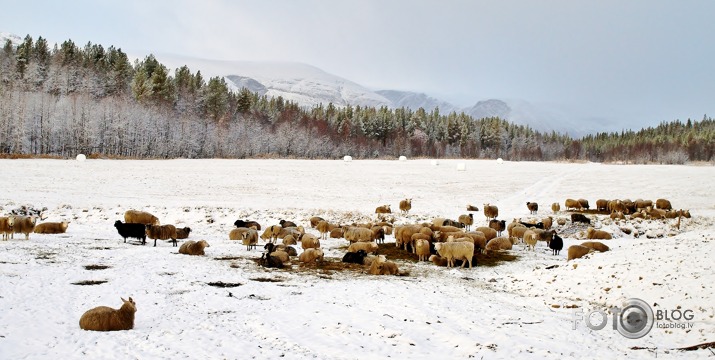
(250, 238)
(368, 247)
(583, 203)
(6, 225)
(592, 233)
(140, 217)
(191, 247)
(183, 233)
(517, 232)
(491, 211)
(466, 221)
(438, 260)
(23, 225)
(595, 245)
(161, 232)
(104, 318)
(572, 204)
(577, 251)
(315, 220)
(324, 229)
(616, 206)
(498, 244)
(533, 207)
(422, 249)
(617, 215)
(384, 209)
(337, 233)
(643, 204)
(548, 222)
(498, 225)
(383, 268)
(472, 208)
(405, 206)
(311, 255)
(480, 242)
(602, 205)
(51, 227)
(555, 207)
(488, 232)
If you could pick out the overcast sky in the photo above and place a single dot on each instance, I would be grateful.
(638, 62)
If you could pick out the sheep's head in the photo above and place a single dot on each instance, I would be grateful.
(203, 244)
(64, 225)
(10, 221)
(130, 304)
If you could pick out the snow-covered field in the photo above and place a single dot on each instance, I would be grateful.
(507, 311)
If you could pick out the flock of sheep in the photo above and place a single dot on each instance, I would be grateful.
(444, 242)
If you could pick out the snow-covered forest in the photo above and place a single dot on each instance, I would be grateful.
(64, 99)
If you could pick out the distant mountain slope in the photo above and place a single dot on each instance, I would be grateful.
(413, 100)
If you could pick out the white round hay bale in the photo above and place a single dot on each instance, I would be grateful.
(435, 162)
(81, 157)
(403, 158)
(347, 158)
(500, 161)
(461, 166)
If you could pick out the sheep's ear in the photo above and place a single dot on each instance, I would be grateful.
(124, 300)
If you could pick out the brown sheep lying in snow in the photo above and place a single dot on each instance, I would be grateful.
(191, 247)
(577, 251)
(104, 318)
(595, 245)
(592, 233)
(51, 227)
(384, 209)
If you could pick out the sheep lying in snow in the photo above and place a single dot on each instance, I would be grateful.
(533, 207)
(23, 225)
(140, 217)
(580, 218)
(183, 233)
(383, 268)
(311, 255)
(51, 227)
(405, 205)
(368, 247)
(278, 251)
(577, 251)
(161, 232)
(384, 209)
(466, 221)
(491, 211)
(129, 230)
(472, 208)
(6, 224)
(595, 245)
(355, 257)
(191, 247)
(309, 241)
(270, 261)
(337, 233)
(104, 318)
(422, 249)
(498, 244)
(286, 223)
(460, 250)
(438, 260)
(617, 215)
(592, 233)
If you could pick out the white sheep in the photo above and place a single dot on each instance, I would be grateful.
(140, 217)
(191, 247)
(456, 251)
(310, 255)
(369, 247)
(51, 227)
(357, 234)
(498, 244)
(530, 238)
(309, 241)
(422, 249)
(104, 318)
(6, 225)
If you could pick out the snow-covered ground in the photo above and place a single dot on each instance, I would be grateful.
(520, 309)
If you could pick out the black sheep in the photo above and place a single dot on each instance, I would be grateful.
(538, 225)
(247, 224)
(131, 230)
(580, 218)
(355, 257)
(270, 261)
(556, 244)
(286, 224)
(498, 225)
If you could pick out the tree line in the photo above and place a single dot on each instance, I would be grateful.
(71, 99)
